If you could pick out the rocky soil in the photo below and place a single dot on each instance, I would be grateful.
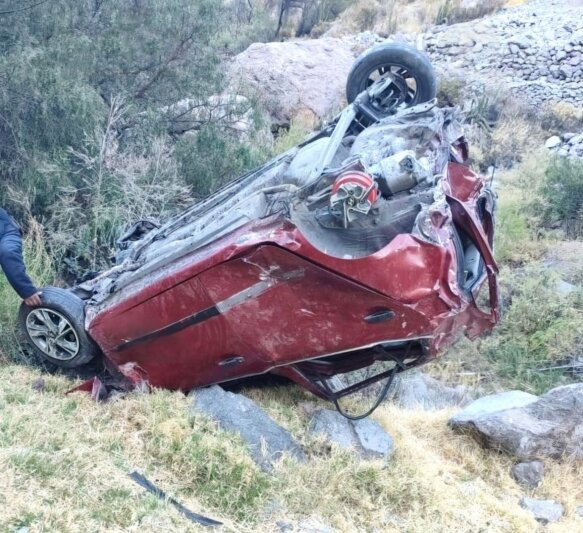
(567, 145)
(535, 49)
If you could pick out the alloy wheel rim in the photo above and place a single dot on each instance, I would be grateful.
(53, 334)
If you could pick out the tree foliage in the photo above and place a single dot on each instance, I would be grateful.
(87, 105)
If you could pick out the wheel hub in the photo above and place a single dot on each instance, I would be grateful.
(388, 92)
(53, 334)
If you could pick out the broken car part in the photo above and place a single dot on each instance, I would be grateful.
(358, 254)
(160, 494)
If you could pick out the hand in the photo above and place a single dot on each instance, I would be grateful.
(34, 300)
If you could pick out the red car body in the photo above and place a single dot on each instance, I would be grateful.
(264, 299)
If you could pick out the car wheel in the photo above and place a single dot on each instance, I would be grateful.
(56, 331)
(413, 76)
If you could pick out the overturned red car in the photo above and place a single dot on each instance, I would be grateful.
(362, 252)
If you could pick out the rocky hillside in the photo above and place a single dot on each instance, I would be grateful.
(534, 50)
(488, 438)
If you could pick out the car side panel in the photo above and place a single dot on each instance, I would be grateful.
(265, 309)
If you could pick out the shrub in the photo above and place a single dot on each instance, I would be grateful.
(450, 90)
(540, 327)
(366, 14)
(562, 116)
(315, 12)
(561, 193)
(211, 158)
(519, 238)
(454, 11)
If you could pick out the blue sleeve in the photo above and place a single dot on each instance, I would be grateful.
(12, 264)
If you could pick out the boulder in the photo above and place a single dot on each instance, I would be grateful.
(295, 77)
(526, 426)
(373, 439)
(416, 390)
(544, 511)
(492, 403)
(553, 142)
(336, 428)
(529, 474)
(189, 114)
(266, 440)
(565, 288)
(365, 437)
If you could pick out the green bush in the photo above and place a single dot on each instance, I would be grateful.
(86, 138)
(539, 328)
(562, 195)
(211, 158)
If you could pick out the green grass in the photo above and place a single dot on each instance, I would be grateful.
(560, 198)
(539, 328)
(65, 462)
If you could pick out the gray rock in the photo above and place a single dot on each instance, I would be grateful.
(514, 49)
(266, 440)
(373, 438)
(553, 142)
(564, 288)
(521, 41)
(416, 390)
(365, 437)
(284, 526)
(567, 71)
(544, 511)
(529, 474)
(288, 75)
(561, 54)
(525, 426)
(336, 428)
(492, 403)
(314, 525)
(579, 510)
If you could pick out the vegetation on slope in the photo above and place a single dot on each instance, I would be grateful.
(86, 147)
(65, 460)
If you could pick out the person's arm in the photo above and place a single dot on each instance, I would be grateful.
(12, 264)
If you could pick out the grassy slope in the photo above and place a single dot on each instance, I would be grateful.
(64, 463)
(64, 459)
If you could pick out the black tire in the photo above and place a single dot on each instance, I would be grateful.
(56, 329)
(394, 57)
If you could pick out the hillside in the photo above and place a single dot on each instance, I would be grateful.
(112, 112)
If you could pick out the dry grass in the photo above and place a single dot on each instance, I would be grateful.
(64, 463)
(386, 17)
(517, 238)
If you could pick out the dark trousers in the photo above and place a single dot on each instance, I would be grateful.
(12, 264)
